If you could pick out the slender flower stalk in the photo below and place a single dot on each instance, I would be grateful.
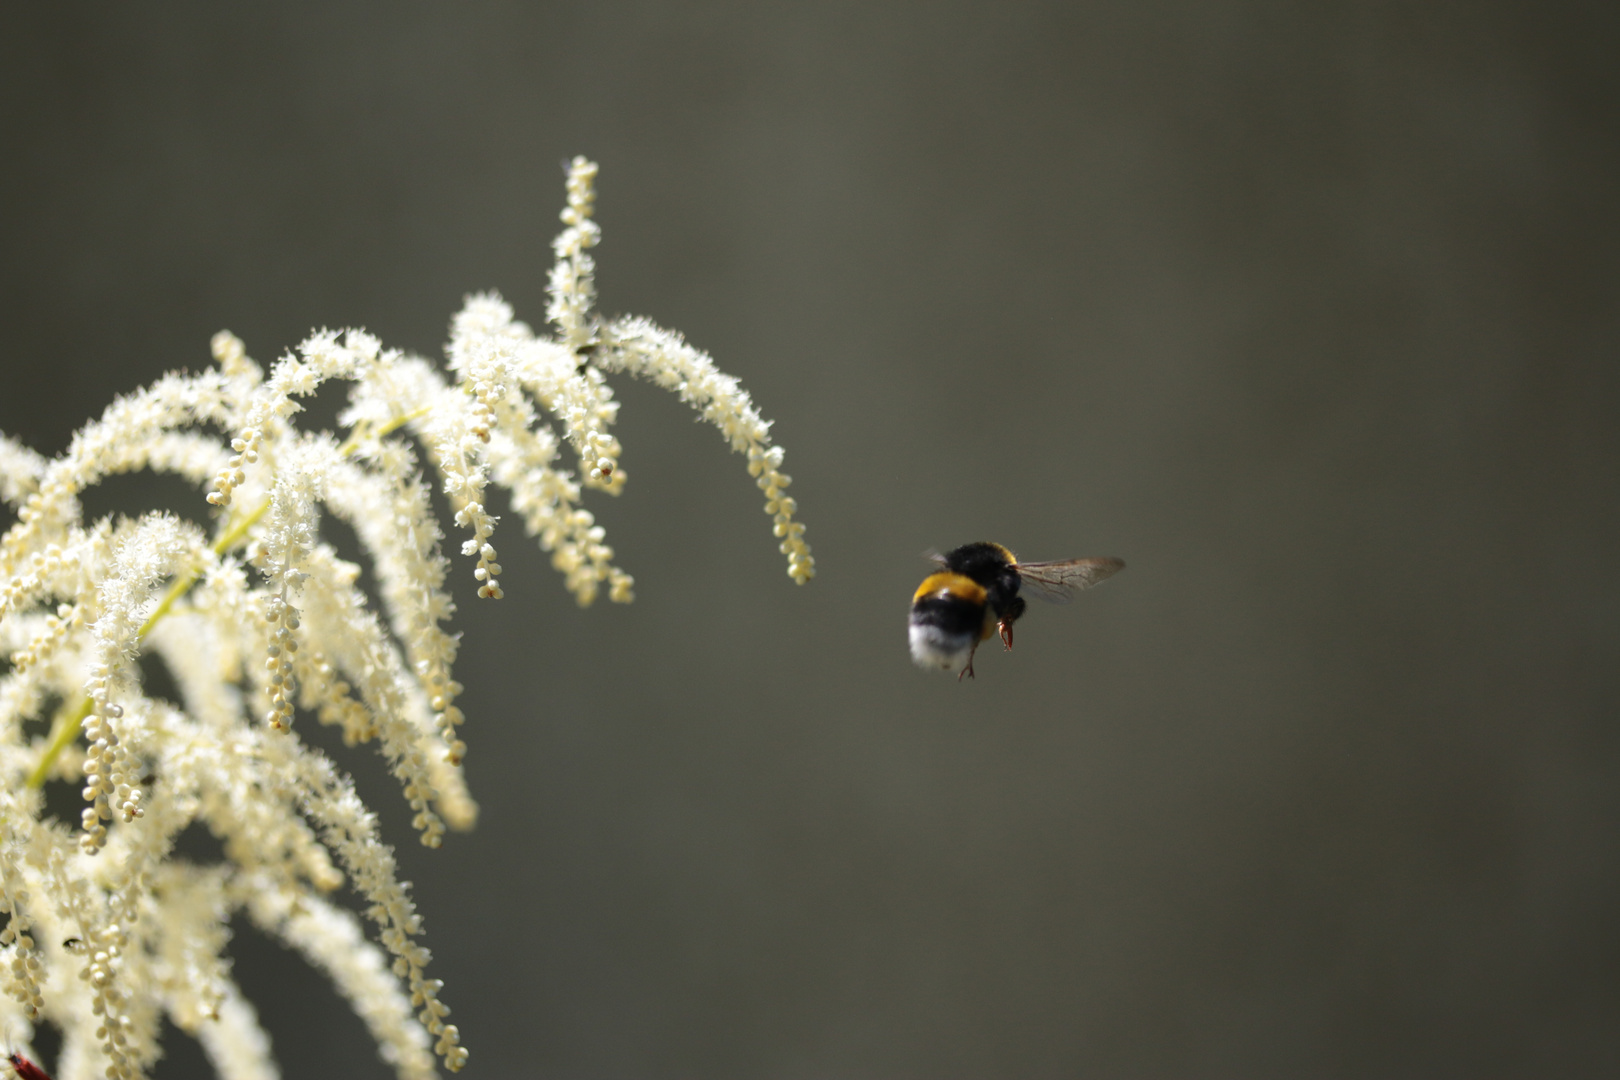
(263, 626)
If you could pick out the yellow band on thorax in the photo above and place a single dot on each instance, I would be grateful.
(955, 585)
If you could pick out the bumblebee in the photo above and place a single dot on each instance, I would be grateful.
(977, 591)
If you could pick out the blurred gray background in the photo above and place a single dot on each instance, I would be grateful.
(1311, 315)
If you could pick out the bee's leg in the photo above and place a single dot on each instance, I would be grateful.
(967, 672)
(1009, 615)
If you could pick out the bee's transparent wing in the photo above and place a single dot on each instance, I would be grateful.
(1057, 582)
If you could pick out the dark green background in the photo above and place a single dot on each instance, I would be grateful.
(1312, 316)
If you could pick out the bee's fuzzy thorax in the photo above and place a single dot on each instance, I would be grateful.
(990, 565)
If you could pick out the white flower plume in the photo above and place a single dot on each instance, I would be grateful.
(262, 622)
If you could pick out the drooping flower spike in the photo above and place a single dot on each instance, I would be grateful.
(259, 621)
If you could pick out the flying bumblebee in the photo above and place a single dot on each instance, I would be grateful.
(977, 591)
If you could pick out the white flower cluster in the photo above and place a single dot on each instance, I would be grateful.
(104, 934)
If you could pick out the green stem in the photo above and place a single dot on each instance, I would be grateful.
(64, 729)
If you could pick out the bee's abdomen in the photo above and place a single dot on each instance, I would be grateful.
(947, 619)
(952, 604)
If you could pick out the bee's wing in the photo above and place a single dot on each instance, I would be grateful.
(934, 556)
(1057, 582)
